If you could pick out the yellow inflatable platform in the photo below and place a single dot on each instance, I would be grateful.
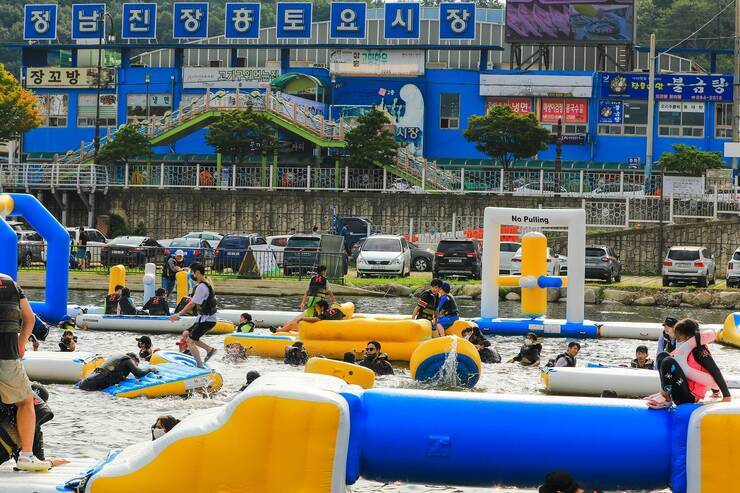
(264, 345)
(350, 373)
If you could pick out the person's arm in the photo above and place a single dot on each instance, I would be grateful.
(304, 300)
(147, 305)
(310, 319)
(185, 311)
(330, 293)
(27, 328)
(711, 366)
(135, 370)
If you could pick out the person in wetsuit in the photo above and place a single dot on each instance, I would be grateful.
(641, 359)
(447, 313)
(483, 345)
(111, 301)
(677, 387)
(667, 340)
(426, 307)
(375, 360)
(295, 354)
(529, 353)
(113, 371)
(568, 358)
(157, 304)
(318, 289)
(125, 305)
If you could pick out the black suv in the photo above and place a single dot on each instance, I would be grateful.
(458, 258)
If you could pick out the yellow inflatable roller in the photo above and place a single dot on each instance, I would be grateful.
(267, 346)
(429, 361)
(348, 309)
(333, 338)
(350, 373)
(729, 334)
(456, 329)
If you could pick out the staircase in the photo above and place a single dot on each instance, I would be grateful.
(287, 114)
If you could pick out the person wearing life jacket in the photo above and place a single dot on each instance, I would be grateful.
(667, 339)
(172, 265)
(641, 359)
(157, 304)
(322, 311)
(40, 329)
(375, 360)
(483, 345)
(204, 298)
(16, 326)
(295, 354)
(426, 307)
(145, 348)
(529, 353)
(245, 323)
(690, 370)
(68, 342)
(447, 313)
(111, 301)
(113, 371)
(318, 289)
(568, 358)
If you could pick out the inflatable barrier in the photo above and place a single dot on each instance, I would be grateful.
(437, 359)
(349, 372)
(456, 329)
(171, 379)
(339, 433)
(264, 345)
(147, 324)
(58, 367)
(729, 334)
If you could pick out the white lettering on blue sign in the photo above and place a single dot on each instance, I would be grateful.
(402, 21)
(457, 21)
(242, 20)
(294, 20)
(88, 21)
(139, 21)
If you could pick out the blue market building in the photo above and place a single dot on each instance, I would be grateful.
(429, 86)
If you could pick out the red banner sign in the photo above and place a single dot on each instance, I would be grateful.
(570, 110)
(521, 106)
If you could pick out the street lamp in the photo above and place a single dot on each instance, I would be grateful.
(111, 37)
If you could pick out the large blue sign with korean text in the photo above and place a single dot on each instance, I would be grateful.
(456, 21)
(677, 87)
(88, 21)
(139, 21)
(40, 22)
(402, 20)
(610, 112)
(348, 20)
(294, 20)
(242, 20)
(190, 20)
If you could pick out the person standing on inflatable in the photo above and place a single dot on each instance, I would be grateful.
(318, 289)
(447, 313)
(204, 298)
(172, 265)
(16, 325)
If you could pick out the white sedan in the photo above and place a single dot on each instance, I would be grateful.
(553, 263)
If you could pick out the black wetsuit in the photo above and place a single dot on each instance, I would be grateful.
(126, 307)
(486, 352)
(9, 441)
(113, 371)
(111, 303)
(377, 363)
(145, 354)
(529, 354)
(427, 304)
(157, 305)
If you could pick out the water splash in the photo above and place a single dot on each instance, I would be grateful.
(447, 376)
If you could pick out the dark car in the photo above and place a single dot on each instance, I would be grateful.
(131, 251)
(302, 255)
(421, 260)
(195, 250)
(232, 248)
(602, 263)
(458, 258)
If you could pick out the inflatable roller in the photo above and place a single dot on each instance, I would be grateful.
(729, 334)
(117, 277)
(267, 346)
(456, 329)
(626, 382)
(348, 309)
(147, 324)
(333, 338)
(58, 367)
(350, 373)
(171, 379)
(429, 361)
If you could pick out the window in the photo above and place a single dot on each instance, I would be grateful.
(572, 112)
(259, 241)
(680, 119)
(53, 109)
(87, 108)
(449, 113)
(723, 121)
(633, 120)
(136, 106)
(279, 242)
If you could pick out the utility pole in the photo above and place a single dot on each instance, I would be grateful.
(101, 29)
(736, 86)
(651, 114)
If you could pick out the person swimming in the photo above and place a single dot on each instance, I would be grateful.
(487, 353)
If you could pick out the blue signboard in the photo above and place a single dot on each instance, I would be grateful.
(294, 20)
(610, 112)
(190, 20)
(88, 21)
(242, 21)
(40, 22)
(139, 21)
(402, 20)
(677, 87)
(347, 20)
(456, 21)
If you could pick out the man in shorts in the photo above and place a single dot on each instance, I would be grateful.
(204, 298)
(16, 324)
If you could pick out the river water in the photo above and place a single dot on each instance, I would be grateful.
(88, 424)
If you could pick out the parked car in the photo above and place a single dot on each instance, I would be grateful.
(301, 254)
(602, 263)
(31, 248)
(383, 255)
(733, 270)
(195, 250)
(689, 264)
(131, 251)
(277, 245)
(211, 237)
(507, 249)
(613, 190)
(231, 250)
(553, 263)
(535, 189)
(95, 242)
(458, 258)
(421, 260)
(563, 264)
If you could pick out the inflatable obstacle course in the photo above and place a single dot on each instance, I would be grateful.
(59, 367)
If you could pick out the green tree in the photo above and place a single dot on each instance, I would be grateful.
(370, 143)
(505, 135)
(239, 133)
(689, 160)
(128, 142)
(19, 112)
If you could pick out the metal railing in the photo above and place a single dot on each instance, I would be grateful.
(53, 176)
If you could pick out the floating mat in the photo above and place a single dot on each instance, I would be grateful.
(147, 324)
(47, 482)
(58, 367)
(172, 379)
